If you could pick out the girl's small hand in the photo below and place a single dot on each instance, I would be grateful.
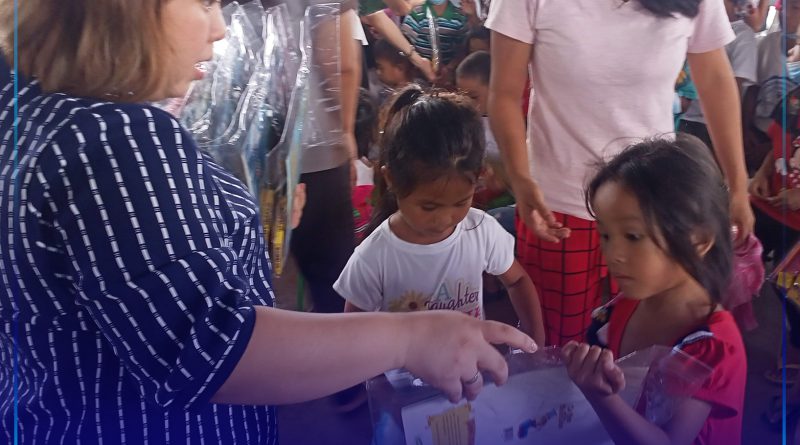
(593, 370)
(788, 198)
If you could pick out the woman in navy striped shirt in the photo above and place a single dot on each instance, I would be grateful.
(136, 302)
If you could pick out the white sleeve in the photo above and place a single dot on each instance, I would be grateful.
(513, 18)
(712, 29)
(499, 247)
(359, 283)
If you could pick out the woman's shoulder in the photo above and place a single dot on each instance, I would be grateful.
(135, 124)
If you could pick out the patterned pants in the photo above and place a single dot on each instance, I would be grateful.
(568, 276)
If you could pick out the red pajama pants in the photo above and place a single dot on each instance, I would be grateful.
(568, 276)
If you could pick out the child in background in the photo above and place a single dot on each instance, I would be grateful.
(472, 78)
(743, 55)
(428, 248)
(365, 135)
(670, 250)
(393, 69)
(478, 39)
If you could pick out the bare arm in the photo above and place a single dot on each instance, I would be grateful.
(525, 300)
(719, 98)
(626, 426)
(402, 7)
(293, 357)
(351, 78)
(389, 31)
(593, 370)
(509, 73)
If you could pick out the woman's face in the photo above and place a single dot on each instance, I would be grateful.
(190, 27)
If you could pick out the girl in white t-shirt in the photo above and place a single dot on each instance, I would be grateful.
(426, 247)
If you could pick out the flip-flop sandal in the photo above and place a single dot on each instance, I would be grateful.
(773, 416)
(775, 375)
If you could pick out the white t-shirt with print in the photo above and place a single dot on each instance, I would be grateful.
(603, 76)
(388, 274)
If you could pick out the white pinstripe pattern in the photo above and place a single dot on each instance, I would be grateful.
(132, 263)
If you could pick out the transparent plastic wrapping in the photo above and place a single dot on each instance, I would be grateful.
(433, 34)
(304, 128)
(263, 106)
(321, 31)
(197, 107)
(230, 80)
(538, 405)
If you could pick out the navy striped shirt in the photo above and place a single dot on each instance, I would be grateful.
(131, 264)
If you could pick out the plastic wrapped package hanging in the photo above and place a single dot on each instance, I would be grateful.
(232, 70)
(309, 111)
(321, 33)
(263, 106)
(433, 34)
(196, 110)
(231, 77)
(538, 405)
(256, 16)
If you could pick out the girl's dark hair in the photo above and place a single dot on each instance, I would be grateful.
(683, 198)
(366, 119)
(425, 136)
(668, 8)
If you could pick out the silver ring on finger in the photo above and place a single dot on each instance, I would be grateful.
(473, 380)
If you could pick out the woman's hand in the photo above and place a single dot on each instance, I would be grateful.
(425, 66)
(593, 370)
(449, 350)
(742, 216)
(535, 214)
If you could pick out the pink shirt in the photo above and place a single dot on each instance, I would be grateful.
(603, 76)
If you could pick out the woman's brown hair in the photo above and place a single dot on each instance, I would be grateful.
(111, 49)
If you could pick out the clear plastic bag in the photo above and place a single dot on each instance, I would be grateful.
(538, 405)
(303, 130)
(266, 100)
(197, 108)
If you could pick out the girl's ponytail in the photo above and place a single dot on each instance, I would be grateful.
(386, 201)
